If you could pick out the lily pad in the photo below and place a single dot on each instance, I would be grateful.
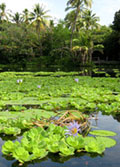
(102, 133)
(108, 142)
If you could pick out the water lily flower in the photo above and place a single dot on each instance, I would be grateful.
(39, 86)
(73, 129)
(76, 80)
(19, 81)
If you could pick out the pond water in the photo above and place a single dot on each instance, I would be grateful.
(110, 158)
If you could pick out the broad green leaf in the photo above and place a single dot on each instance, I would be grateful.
(108, 142)
(102, 133)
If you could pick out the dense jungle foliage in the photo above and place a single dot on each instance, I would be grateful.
(34, 37)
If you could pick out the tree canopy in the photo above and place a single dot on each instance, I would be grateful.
(33, 37)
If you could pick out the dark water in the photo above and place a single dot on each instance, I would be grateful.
(110, 158)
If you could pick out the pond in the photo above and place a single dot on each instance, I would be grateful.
(30, 99)
(110, 158)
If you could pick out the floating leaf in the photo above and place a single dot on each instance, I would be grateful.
(102, 133)
(108, 142)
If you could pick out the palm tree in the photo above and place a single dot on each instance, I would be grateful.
(17, 18)
(90, 20)
(38, 16)
(3, 13)
(69, 19)
(78, 6)
(26, 16)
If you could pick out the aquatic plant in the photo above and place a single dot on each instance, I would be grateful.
(39, 86)
(37, 143)
(76, 80)
(19, 81)
(60, 101)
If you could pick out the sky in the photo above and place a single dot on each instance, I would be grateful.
(105, 9)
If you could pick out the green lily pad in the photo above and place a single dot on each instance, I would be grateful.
(102, 133)
(108, 142)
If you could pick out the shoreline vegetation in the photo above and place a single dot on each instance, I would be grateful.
(32, 37)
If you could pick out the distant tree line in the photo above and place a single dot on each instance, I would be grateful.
(33, 36)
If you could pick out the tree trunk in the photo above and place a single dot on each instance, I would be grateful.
(74, 25)
(39, 37)
(90, 52)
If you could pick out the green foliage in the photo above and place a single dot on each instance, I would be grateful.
(94, 145)
(116, 22)
(102, 133)
(24, 105)
(108, 142)
(76, 142)
(36, 143)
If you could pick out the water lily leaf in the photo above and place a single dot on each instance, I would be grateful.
(102, 133)
(108, 142)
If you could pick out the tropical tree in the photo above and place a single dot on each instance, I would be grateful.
(17, 18)
(90, 20)
(38, 17)
(77, 6)
(116, 22)
(25, 16)
(3, 13)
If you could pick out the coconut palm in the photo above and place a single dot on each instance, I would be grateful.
(90, 20)
(25, 16)
(78, 6)
(38, 17)
(3, 12)
(17, 18)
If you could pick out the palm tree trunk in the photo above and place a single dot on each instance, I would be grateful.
(39, 37)
(90, 55)
(74, 25)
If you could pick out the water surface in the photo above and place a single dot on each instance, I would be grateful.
(110, 158)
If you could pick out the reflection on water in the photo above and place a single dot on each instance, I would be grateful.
(110, 158)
